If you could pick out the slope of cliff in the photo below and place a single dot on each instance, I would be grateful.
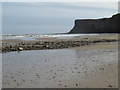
(105, 25)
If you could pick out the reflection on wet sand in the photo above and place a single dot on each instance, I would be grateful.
(65, 68)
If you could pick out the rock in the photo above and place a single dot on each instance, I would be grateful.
(20, 49)
(110, 85)
(105, 25)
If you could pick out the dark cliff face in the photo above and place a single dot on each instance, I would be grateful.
(105, 25)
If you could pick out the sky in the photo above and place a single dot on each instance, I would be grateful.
(50, 17)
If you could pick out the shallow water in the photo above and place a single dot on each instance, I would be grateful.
(59, 68)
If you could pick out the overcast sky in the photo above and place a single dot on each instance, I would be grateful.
(50, 17)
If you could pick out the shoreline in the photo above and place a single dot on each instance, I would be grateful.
(55, 43)
(73, 67)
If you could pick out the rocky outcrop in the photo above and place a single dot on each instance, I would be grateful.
(38, 45)
(105, 25)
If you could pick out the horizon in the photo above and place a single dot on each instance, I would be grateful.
(50, 17)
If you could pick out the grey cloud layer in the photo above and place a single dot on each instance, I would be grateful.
(50, 17)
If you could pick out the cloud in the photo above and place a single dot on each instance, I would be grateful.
(57, 9)
(95, 5)
(49, 16)
(59, 0)
(0, 18)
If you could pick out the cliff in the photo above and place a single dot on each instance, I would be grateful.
(105, 25)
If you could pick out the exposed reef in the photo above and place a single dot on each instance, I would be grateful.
(42, 45)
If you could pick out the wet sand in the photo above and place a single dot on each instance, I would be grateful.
(0, 71)
(89, 66)
(69, 68)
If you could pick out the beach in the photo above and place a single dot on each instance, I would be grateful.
(9, 45)
(78, 62)
(59, 45)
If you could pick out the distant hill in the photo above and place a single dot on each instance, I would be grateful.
(104, 25)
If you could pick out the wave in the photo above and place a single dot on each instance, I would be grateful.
(34, 36)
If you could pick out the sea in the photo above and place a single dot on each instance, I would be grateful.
(35, 36)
